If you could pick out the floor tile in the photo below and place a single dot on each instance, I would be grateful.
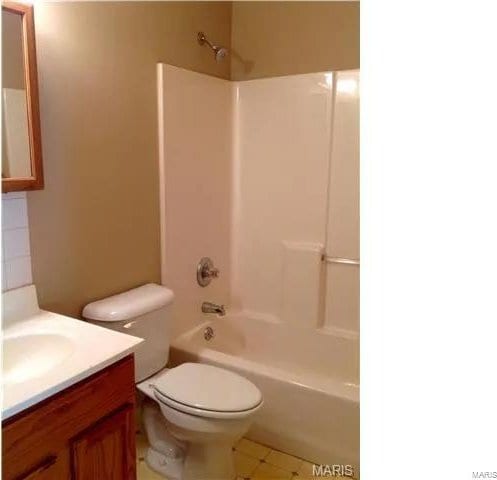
(143, 472)
(305, 469)
(247, 455)
(253, 449)
(266, 471)
(284, 461)
(244, 464)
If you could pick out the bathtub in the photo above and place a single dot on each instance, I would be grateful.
(309, 382)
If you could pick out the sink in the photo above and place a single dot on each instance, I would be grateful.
(29, 356)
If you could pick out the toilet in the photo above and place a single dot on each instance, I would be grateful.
(193, 413)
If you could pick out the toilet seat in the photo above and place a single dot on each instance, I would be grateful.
(207, 391)
(162, 399)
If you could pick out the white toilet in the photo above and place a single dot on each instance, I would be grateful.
(196, 412)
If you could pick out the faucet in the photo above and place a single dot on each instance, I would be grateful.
(208, 307)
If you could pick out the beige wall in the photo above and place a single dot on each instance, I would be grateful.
(95, 226)
(284, 38)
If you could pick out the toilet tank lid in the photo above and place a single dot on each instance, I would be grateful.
(130, 304)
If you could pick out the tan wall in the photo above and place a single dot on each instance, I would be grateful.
(284, 38)
(12, 57)
(95, 226)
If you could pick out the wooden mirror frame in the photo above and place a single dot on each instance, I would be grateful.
(35, 181)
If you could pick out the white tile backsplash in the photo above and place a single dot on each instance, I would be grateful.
(16, 253)
(15, 213)
(16, 243)
(18, 272)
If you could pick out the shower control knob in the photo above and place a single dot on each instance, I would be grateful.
(206, 271)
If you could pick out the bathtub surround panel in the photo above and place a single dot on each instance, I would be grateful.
(301, 284)
(342, 300)
(260, 191)
(196, 134)
(16, 251)
(282, 156)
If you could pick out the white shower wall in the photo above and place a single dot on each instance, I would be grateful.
(296, 195)
(282, 156)
(195, 145)
(262, 175)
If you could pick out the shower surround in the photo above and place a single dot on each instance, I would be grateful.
(263, 177)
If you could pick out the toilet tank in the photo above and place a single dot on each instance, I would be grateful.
(144, 312)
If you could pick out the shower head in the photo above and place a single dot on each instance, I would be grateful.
(219, 52)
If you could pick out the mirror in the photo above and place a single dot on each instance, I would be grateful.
(21, 136)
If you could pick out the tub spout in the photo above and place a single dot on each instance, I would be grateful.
(208, 307)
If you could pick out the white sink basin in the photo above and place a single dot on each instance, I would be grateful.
(29, 356)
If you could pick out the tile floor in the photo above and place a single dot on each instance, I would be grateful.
(252, 462)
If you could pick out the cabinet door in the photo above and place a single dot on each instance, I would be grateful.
(106, 451)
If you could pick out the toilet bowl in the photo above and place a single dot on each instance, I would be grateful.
(193, 413)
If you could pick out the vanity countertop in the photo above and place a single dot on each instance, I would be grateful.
(44, 352)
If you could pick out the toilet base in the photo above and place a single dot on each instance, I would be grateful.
(170, 467)
(203, 462)
(184, 460)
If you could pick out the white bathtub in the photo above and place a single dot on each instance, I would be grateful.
(309, 382)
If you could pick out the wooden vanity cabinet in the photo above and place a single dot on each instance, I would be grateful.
(85, 432)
